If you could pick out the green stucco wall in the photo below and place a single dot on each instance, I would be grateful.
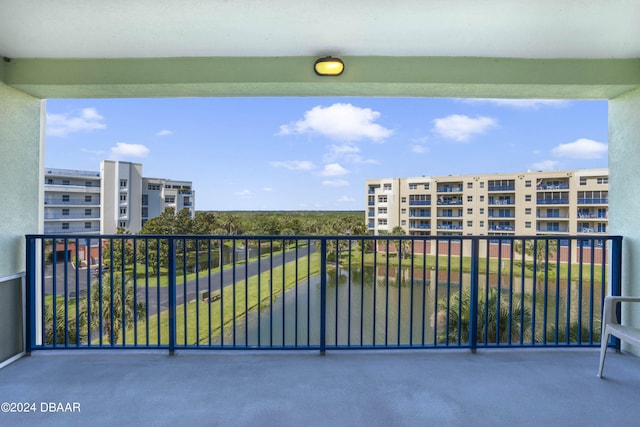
(20, 167)
(624, 193)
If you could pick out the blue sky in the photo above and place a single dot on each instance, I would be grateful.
(312, 153)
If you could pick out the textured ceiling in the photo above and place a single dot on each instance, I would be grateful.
(211, 28)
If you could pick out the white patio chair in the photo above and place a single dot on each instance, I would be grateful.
(611, 326)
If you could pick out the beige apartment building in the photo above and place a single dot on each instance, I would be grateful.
(506, 204)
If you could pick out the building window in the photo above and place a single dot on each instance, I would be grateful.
(170, 199)
(382, 199)
(403, 222)
(123, 197)
(469, 211)
(87, 198)
(482, 198)
(65, 182)
(469, 198)
(87, 212)
(88, 184)
(469, 223)
(413, 186)
(123, 224)
(65, 197)
(65, 212)
(382, 211)
(403, 200)
(403, 211)
(481, 223)
(123, 211)
(386, 187)
(153, 187)
(602, 227)
(426, 186)
(603, 180)
(527, 224)
(65, 225)
(527, 198)
(481, 211)
(583, 181)
(87, 225)
(527, 211)
(527, 183)
(123, 183)
(469, 184)
(49, 181)
(382, 221)
(481, 184)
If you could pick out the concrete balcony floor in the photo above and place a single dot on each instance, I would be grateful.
(536, 387)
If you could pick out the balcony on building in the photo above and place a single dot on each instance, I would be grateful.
(453, 187)
(419, 200)
(417, 212)
(501, 213)
(552, 184)
(501, 200)
(501, 185)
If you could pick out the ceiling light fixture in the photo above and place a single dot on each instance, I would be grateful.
(329, 66)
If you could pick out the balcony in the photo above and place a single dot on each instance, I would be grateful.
(551, 187)
(344, 311)
(501, 202)
(511, 187)
(419, 202)
(593, 201)
(450, 189)
(502, 227)
(553, 228)
(562, 201)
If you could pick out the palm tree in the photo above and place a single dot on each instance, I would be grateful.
(112, 308)
(495, 318)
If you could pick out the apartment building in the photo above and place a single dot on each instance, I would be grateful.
(527, 203)
(83, 202)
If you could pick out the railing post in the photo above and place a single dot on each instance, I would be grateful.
(30, 296)
(616, 279)
(473, 304)
(172, 293)
(323, 295)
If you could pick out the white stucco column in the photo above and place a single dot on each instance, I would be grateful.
(624, 192)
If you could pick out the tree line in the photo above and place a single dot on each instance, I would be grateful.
(286, 223)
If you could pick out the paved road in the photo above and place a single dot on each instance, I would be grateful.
(160, 296)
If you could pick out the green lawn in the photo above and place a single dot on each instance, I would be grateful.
(203, 319)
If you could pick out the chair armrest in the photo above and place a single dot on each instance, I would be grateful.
(609, 314)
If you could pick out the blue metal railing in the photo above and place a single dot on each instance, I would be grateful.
(317, 292)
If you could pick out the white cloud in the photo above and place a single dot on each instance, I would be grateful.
(460, 127)
(340, 151)
(243, 193)
(122, 149)
(419, 149)
(336, 183)
(333, 169)
(301, 165)
(545, 165)
(339, 121)
(267, 189)
(345, 199)
(164, 132)
(519, 103)
(63, 124)
(581, 149)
